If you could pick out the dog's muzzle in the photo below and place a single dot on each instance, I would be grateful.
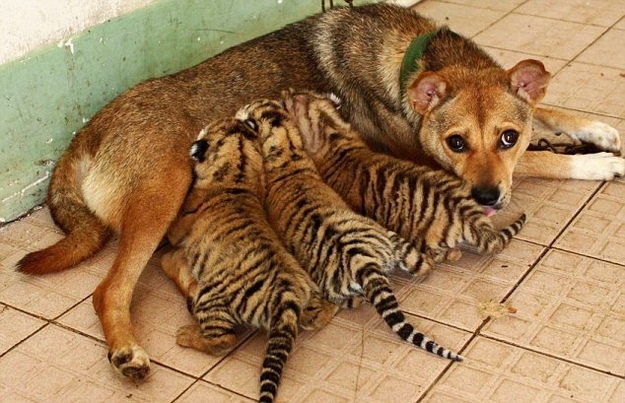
(489, 197)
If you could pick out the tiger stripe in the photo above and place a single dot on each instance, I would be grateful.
(345, 253)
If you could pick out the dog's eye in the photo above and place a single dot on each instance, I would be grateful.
(509, 138)
(456, 143)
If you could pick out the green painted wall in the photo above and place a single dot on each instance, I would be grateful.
(48, 95)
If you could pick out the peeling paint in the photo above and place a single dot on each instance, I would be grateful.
(67, 44)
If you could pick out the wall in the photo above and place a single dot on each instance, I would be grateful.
(27, 24)
(65, 59)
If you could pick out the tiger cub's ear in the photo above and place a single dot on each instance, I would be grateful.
(249, 129)
(251, 124)
(243, 115)
(198, 150)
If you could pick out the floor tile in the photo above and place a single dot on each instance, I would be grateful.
(16, 326)
(158, 310)
(50, 295)
(455, 292)
(497, 372)
(202, 392)
(599, 230)
(589, 88)
(503, 5)
(572, 307)
(462, 19)
(596, 12)
(603, 53)
(539, 36)
(549, 205)
(509, 58)
(44, 368)
(345, 361)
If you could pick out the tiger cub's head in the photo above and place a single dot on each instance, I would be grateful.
(226, 153)
(277, 133)
(318, 119)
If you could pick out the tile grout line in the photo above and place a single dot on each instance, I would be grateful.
(554, 356)
(478, 331)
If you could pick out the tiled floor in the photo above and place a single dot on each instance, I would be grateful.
(544, 321)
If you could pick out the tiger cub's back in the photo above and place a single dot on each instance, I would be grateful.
(348, 255)
(244, 273)
(433, 208)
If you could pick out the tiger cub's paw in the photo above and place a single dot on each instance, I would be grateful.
(353, 302)
(318, 314)
(441, 254)
(192, 336)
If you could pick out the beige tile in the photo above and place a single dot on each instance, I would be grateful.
(503, 5)
(596, 12)
(599, 230)
(158, 310)
(604, 53)
(56, 365)
(589, 88)
(572, 307)
(51, 295)
(202, 392)
(462, 19)
(455, 292)
(549, 205)
(497, 372)
(539, 36)
(508, 58)
(16, 326)
(345, 361)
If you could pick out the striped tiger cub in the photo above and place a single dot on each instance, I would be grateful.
(230, 263)
(346, 254)
(432, 208)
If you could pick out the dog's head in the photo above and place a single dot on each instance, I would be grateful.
(477, 123)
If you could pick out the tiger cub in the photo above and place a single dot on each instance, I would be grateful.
(346, 254)
(432, 208)
(244, 274)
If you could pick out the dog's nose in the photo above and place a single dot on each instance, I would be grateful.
(485, 195)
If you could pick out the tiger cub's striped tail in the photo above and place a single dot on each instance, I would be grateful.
(281, 339)
(382, 298)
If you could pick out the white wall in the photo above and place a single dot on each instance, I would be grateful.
(28, 24)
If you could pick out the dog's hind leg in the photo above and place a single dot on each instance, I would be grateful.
(604, 136)
(150, 209)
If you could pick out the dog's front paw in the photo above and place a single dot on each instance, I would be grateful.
(600, 166)
(132, 362)
(602, 135)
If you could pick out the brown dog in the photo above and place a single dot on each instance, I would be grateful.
(128, 169)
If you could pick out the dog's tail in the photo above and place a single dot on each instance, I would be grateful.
(85, 233)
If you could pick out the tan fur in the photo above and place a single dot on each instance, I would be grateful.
(127, 170)
(348, 255)
(431, 208)
(242, 274)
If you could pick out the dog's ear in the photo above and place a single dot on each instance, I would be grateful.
(529, 80)
(427, 91)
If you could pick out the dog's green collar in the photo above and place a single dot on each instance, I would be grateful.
(414, 52)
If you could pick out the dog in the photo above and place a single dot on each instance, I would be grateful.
(411, 88)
